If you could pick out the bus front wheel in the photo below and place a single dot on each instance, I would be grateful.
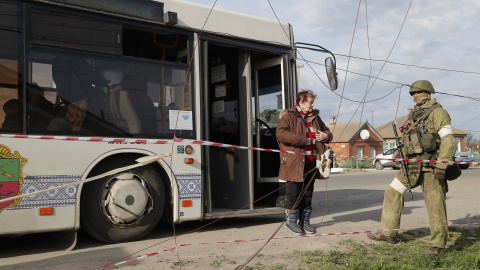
(122, 207)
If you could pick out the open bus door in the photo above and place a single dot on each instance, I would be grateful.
(228, 170)
(268, 101)
(268, 104)
(244, 99)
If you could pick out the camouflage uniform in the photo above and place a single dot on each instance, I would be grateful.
(423, 174)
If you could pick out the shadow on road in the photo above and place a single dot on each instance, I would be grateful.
(468, 219)
(345, 201)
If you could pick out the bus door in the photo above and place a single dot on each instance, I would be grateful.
(228, 173)
(268, 100)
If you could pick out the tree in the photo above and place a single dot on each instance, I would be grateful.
(472, 142)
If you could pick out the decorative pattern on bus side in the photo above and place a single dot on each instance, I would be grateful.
(189, 186)
(55, 198)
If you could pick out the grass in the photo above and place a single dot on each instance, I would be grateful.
(219, 261)
(181, 263)
(462, 252)
(260, 266)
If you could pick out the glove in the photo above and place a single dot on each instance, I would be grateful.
(439, 174)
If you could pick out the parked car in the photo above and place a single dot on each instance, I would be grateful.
(464, 156)
(380, 164)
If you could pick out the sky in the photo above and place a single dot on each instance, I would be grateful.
(420, 39)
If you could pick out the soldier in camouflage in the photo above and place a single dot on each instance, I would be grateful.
(430, 137)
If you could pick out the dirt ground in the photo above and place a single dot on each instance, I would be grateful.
(347, 203)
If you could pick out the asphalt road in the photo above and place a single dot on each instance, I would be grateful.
(347, 202)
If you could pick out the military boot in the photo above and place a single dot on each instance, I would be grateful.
(382, 237)
(291, 223)
(304, 221)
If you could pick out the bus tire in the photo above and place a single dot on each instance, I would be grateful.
(123, 207)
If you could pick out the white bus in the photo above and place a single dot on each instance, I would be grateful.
(75, 71)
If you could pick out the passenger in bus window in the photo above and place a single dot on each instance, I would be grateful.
(12, 115)
(300, 129)
(40, 111)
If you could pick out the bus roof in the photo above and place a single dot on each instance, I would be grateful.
(228, 22)
(192, 16)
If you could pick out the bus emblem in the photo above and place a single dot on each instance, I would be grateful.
(11, 176)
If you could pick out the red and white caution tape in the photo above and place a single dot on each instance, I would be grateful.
(200, 142)
(144, 141)
(429, 161)
(85, 139)
(207, 143)
(276, 238)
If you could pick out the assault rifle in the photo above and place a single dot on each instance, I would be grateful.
(404, 164)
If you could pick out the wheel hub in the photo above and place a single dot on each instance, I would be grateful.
(127, 199)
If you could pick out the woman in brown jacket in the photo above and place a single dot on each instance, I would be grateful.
(300, 130)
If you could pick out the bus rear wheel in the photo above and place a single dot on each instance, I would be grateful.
(122, 207)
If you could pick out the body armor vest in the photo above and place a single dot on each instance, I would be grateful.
(418, 141)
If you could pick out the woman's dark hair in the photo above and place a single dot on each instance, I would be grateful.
(302, 96)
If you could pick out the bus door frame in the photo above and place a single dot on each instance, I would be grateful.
(245, 157)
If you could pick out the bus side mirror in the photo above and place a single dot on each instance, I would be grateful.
(331, 73)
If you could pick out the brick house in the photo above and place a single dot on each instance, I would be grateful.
(354, 141)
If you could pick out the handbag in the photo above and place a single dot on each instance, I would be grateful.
(324, 163)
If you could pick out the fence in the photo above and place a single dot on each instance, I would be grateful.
(354, 162)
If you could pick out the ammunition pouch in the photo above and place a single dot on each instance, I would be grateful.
(429, 142)
(412, 144)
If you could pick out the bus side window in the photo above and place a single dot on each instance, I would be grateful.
(142, 104)
(80, 90)
(77, 80)
(40, 111)
(132, 108)
(123, 113)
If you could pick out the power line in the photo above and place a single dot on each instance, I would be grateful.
(366, 101)
(371, 67)
(390, 81)
(409, 65)
(346, 72)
